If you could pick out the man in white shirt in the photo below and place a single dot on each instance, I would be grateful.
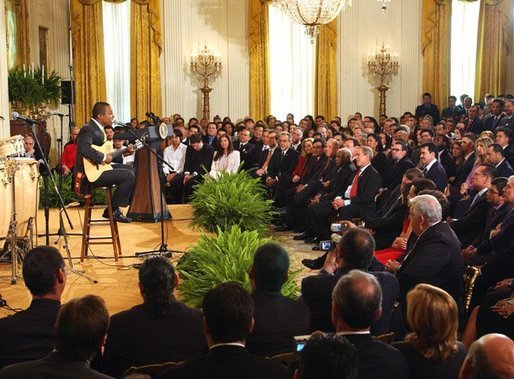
(175, 156)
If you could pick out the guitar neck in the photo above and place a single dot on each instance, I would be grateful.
(117, 153)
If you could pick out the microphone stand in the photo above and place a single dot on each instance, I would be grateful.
(61, 204)
(163, 248)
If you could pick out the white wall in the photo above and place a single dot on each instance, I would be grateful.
(52, 14)
(4, 98)
(362, 28)
(222, 26)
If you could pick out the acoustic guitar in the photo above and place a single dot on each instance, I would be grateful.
(94, 170)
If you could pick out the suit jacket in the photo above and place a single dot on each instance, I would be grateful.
(214, 142)
(389, 225)
(339, 182)
(428, 110)
(277, 320)
(394, 172)
(283, 166)
(475, 126)
(447, 161)
(377, 360)
(435, 259)
(369, 184)
(462, 171)
(198, 161)
(226, 362)
(501, 264)
(453, 112)
(247, 155)
(54, 366)
(29, 334)
(437, 174)
(504, 169)
(507, 122)
(508, 152)
(472, 223)
(317, 294)
(493, 218)
(490, 123)
(175, 337)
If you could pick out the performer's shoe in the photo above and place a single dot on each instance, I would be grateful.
(315, 264)
(117, 215)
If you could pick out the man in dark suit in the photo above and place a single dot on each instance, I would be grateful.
(496, 115)
(360, 195)
(444, 156)
(80, 330)
(356, 305)
(122, 175)
(162, 329)
(428, 109)
(479, 250)
(197, 164)
(398, 163)
(508, 121)
(264, 155)
(28, 334)
(452, 111)
(354, 252)
(495, 155)
(503, 137)
(280, 169)
(474, 124)
(210, 136)
(471, 223)
(228, 320)
(278, 319)
(432, 169)
(435, 257)
(245, 149)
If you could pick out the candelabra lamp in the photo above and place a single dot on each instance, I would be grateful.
(382, 66)
(206, 68)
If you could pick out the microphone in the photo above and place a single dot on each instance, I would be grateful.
(55, 113)
(17, 116)
(120, 124)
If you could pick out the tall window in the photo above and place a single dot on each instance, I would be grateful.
(116, 22)
(464, 47)
(292, 64)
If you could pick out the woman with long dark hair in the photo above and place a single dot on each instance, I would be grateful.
(225, 159)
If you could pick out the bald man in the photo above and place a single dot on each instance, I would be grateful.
(491, 357)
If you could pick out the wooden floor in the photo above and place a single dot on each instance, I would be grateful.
(117, 282)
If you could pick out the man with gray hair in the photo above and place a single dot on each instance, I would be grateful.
(491, 357)
(356, 304)
(435, 257)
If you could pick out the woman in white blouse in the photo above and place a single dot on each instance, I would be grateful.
(226, 159)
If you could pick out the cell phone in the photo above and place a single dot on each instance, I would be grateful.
(325, 245)
(300, 342)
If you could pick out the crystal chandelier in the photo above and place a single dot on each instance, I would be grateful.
(312, 13)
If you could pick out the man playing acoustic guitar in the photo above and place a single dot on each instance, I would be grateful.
(92, 147)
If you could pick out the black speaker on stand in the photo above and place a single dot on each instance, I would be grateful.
(67, 91)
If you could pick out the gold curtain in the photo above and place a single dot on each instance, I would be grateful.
(436, 29)
(88, 57)
(259, 60)
(145, 49)
(494, 44)
(20, 35)
(325, 87)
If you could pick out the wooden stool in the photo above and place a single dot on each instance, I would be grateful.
(87, 239)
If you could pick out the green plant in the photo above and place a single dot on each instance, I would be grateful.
(28, 90)
(67, 194)
(219, 258)
(231, 199)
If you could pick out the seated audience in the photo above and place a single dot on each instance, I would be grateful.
(228, 320)
(29, 334)
(398, 163)
(491, 357)
(327, 356)
(496, 156)
(80, 330)
(435, 257)
(175, 156)
(197, 163)
(245, 149)
(161, 329)
(431, 349)
(432, 169)
(354, 252)
(356, 304)
(225, 159)
(277, 318)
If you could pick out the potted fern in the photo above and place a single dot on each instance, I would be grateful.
(231, 199)
(220, 258)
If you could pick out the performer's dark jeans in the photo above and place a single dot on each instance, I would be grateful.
(123, 177)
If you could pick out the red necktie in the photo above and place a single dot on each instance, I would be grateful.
(469, 124)
(355, 184)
